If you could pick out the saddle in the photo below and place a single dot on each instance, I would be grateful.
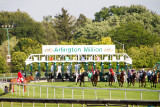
(19, 80)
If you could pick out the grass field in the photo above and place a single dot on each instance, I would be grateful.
(78, 93)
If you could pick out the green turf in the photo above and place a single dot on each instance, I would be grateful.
(88, 93)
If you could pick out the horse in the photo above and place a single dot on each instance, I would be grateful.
(81, 78)
(94, 78)
(110, 78)
(154, 80)
(142, 79)
(121, 79)
(131, 79)
(26, 80)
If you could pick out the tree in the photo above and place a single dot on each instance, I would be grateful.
(18, 61)
(133, 34)
(24, 26)
(64, 25)
(3, 65)
(28, 46)
(81, 21)
(50, 33)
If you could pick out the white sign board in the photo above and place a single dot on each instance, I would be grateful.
(77, 49)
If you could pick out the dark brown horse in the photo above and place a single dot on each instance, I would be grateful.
(142, 79)
(154, 80)
(14, 80)
(131, 79)
(94, 78)
(121, 79)
(81, 78)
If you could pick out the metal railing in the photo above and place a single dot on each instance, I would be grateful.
(106, 103)
(47, 91)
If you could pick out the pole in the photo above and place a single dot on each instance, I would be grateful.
(8, 40)
(123, 48)
(117, 66)
(62, 69)
(86, 67)
(39, 69)
(70, 69)
(110, 65)
(47, 70)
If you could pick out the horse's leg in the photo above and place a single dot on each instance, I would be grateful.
(13, 87)
(155, 84)
(80, 83)
(24, 88)
(145, 84)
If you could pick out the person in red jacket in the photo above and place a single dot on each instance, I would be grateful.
(20, 76)
(111, 71)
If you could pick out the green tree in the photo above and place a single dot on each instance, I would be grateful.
(28, 46)
(64, 25)
(24, 26)
(3, 65)
(18, 61)
(50, 33)
(133, 34)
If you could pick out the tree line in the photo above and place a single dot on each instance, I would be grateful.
(136, 27)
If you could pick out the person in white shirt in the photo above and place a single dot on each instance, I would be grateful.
(59, 69)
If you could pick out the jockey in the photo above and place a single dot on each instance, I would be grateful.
(111, 71)
(129, 74)
(20, 76)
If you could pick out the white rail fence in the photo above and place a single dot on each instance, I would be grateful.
(46, 91)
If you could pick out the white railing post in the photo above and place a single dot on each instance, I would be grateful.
(110, 94)
(22, 104)
(45, 104)
(141, 95)
(125, 94)
(33, 92)
(16, 89)
(1, 103)
(95, 94)
(47, 92)
(28, 90)
(23, 89)
(12, 88)
(11, 104)
(159, 95)
(33, 104)
(63, 93)
(40, 91)
(72, 93)
(19, 89)
(83, 93)
(54, 93)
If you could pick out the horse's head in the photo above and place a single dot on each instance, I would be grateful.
(97, 72)
(32, 78)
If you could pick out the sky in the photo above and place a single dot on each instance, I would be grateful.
(39, 8)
